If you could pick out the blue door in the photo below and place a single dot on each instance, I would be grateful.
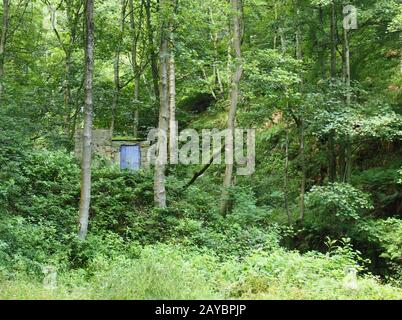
(130, 157)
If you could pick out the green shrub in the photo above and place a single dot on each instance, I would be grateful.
(160, 272)
(46, 189)
(387, 236)
(345, 201)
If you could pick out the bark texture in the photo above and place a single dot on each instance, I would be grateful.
(85, 199)
(234, 99)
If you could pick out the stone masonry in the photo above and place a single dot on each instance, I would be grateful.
(108, 147)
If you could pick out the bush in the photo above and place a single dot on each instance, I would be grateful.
(26, 247)
(387, 236)
(121, 201)
(341, 199)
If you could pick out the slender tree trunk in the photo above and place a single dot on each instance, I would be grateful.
(77, 109)
(234, 97)
(67, 94)
(299, 53)
(342, 144)
(153, 55)
(229, 62)
(320, 42)
(85, 199)
(299, 56)
(73, 15)
(3, 39)
(286, 179)
(333, 39)
(348, 143)
(116, 67)
(136, 71)
(332, 133)
(173, 143)
(216, 72)
(303, 165)
(159, 178)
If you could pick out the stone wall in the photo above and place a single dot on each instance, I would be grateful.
(107, 147)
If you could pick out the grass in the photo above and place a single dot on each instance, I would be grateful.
(172, 272)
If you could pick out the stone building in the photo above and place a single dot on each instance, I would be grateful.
(128, 152)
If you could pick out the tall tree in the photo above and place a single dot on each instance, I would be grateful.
(85, 199)
(116, 65)
(173, 129)
(286, 177)
(333, 38)
(4, 31)
(152, 51)
(135, 37)
(172, 100)
(301, 122)
(163, 124)
(332, 133)
(237, 10)
(348, 143)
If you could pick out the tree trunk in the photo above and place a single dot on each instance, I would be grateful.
(303, 165)
(299, 56)
(136, 71)
(160, 165)
(333, 39)
(116, 67)
(153, 55)
(234, 97)
(286, 179)
(73, 14)
(321, 47)
(332, 133)
(67, 94)
(85, 199)
(216, 72)
(173, 143)
(348, 143)
(3, 39)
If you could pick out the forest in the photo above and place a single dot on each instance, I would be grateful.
(109, 189)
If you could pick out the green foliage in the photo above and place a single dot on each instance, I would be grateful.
(158, 271)
(382, 184)
(388, 234)
(26, 246)
(120, 200)
(206, 255)
(342, 199)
